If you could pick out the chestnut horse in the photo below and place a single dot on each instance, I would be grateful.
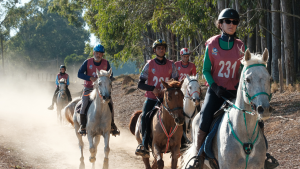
(166, 127)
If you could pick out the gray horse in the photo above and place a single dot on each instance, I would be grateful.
(233, 132)
(62, 98)
(98, 119)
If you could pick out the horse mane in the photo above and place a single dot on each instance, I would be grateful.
(255, 59)
(173, 83)
(104, 73)
(186, 83)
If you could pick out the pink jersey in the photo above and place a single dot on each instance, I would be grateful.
(156, 73)
(225, 63)
(91, 70)
(182, 71)
(59, 76)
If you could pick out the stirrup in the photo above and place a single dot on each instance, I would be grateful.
(141, 151)
(270, 165)
(82, 131)
(195, 165)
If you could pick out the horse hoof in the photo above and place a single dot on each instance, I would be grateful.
(82, 166)
(105, 163)
(92, 159)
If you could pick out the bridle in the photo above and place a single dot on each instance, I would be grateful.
(189, 96)
(166, 107)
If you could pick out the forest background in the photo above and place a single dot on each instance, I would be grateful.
(51, 32)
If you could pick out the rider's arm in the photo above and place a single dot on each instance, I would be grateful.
(82, 70)
(56, 81)
(143, 78)
(207, 68)
(174, 72)
(68, 82)
(108, 67)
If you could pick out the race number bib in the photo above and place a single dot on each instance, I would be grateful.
(158, 81)
(228, 67)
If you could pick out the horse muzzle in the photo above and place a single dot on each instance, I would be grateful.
(106, 98)
(196, 101)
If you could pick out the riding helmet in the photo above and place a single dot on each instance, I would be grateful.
(229, 13)
(63, 66)
(159, 42)
(99, 48)
(184, 51)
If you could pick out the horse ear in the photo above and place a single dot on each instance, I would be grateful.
(181, 82)
(98, 73)
(165, 84)
(266, 55)
(247, 55)
(188, 77)
(109, 72)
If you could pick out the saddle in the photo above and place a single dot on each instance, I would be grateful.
(79, 105)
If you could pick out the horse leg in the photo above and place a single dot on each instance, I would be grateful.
(96, 143)
(82, 165)
(106, 149)
(175, 151)
(92, 147)
(147, 163)
(159, 157)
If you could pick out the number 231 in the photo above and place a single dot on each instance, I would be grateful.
(228, 65)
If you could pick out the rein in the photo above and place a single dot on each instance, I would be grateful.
(246, 146)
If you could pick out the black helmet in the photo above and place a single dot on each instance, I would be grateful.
(62, 66)
(229, 13)
(159, 42)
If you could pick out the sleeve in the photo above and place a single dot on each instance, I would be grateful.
(194, 71)
(144, 73)
(174, 72)
(142, 85)
(68, 81)
(108, 67)
(207, 68)
(56, 81)
(82, 70)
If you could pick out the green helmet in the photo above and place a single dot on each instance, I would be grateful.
(159, 42)
(229, 13)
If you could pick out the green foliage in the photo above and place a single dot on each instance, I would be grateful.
(74, 59)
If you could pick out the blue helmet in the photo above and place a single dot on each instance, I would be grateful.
(99, 48)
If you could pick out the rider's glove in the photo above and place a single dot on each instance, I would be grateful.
(219, 90)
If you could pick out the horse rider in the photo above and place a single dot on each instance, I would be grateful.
(221, 71)
(153, 72)
(87, 72)
(60, 75)
(184, 67)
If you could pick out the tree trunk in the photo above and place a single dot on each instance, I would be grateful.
(280, 75)
(258, 40)
(221, 5)
(276, 43)
(178, 47)
(173, 47)
(282, 50)
(288, 41)
(262, 22)
(237, 6)
(296, 62)
(2, 54)
(251, 38)
(269, 38)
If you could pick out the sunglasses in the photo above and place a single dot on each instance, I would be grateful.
(234, 22)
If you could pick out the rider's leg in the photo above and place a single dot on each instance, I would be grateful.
(68, 94)
(143, 149)
(54, 98)
(183, 141)
(83, 119)
(114, 130)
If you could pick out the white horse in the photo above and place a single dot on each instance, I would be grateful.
(62, 98)
(98, 118)
(234, 134)
(191, 90)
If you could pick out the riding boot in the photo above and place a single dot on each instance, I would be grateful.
(268, 164)
(53, 99)
(199, 162)
(114, 130)
(183, 139)
(83, 121)
(68, 94)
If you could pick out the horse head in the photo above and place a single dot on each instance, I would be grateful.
(173, 100)
(191, 89)
(104, 84)
(62, 87)
(256, 83)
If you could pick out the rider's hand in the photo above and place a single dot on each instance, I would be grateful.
(219, 90)
(93, 79)
(156, 92)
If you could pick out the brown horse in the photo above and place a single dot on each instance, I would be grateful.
(166, 126)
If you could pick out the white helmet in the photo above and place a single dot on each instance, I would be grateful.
(184, 51)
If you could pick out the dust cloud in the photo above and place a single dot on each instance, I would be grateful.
(28, 127)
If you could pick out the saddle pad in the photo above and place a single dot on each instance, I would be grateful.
(79, 104)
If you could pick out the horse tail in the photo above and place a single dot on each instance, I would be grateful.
(188, 155)
(133, 120)
(69, 115)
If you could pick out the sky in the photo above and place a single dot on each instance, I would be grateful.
(93, 40)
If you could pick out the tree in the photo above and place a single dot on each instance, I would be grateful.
(276, 43)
